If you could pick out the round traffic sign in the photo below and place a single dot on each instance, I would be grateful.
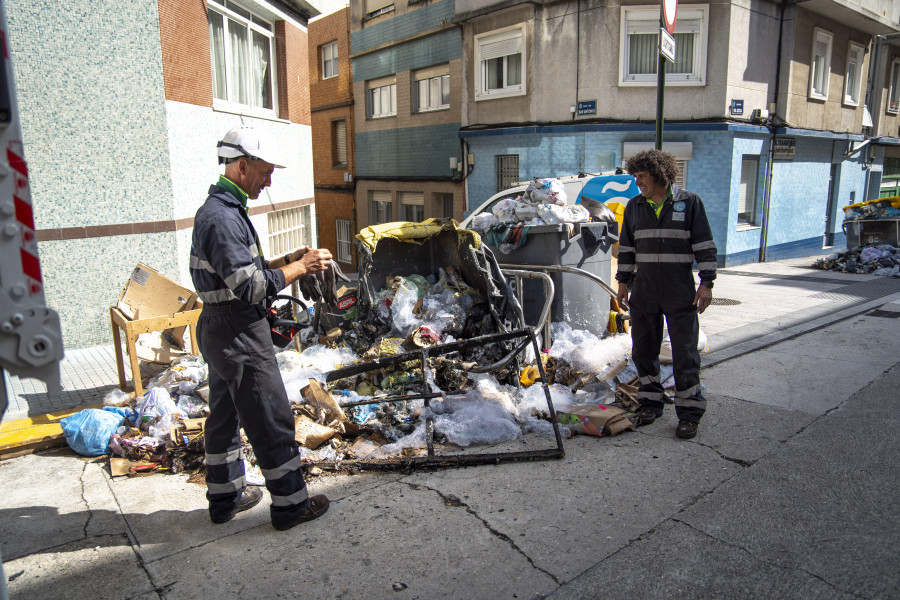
(670, 7)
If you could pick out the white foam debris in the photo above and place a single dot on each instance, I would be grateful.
(297, 368)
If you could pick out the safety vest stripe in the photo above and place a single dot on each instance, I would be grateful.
(664, 258)
(707, 266)
(200, 264)
(223, 458)
(694, 389)
(279, 472)
(225, 488)
(292, 500)
(704, 245)
(217, 296)
(680, 234)
(627, 268)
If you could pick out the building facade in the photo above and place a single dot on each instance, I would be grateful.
(407, 82)
(765, 106)
(121, 112)
(331, 101)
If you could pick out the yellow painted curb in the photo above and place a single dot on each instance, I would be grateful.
(34, 433)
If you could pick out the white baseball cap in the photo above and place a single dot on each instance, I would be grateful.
(246, 141)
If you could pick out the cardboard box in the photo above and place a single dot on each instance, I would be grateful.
(595, 419)
(148, 294)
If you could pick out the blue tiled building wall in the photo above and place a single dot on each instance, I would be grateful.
(406, 152)
(436, 49)
(402, 26)
(800, 187)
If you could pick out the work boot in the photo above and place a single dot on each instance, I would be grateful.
(318, 506)
(645, 416)
(250, 497)
(686, 429)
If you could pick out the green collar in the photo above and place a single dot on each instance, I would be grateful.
(657, 208)
(239, 194)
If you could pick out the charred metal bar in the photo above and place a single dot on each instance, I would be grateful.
(433, 460)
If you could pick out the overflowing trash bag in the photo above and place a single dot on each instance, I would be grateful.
(883, 260)
(88, 431)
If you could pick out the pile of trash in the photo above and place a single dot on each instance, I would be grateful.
(882, 208)
(878, 260)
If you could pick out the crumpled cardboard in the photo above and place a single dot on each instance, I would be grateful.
(595, 419)
(310, 434)
(319, 397)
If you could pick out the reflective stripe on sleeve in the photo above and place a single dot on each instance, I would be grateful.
(626, 249)
(627, 268)
(200, 264)
(240, 276)
(254, 251)
(703, 245)
(707, 266)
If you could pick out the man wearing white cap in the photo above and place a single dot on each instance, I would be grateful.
(246, 390)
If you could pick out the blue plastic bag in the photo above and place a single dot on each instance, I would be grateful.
(88, 431)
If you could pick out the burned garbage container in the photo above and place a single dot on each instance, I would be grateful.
(578, 300)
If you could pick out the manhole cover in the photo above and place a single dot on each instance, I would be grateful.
(725, 302)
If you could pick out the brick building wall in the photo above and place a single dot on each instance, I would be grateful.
(184, 39)
(293, 77)
(331, 100)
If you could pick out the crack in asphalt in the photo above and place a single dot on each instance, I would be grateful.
(451, 500)
(765, 560)
(87, 507)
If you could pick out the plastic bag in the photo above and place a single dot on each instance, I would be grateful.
(546, 191)
(525, 211)
(869, 254)
(156, 403)
(88, 431)
(505, 210)
(554, 214)
(484, 221)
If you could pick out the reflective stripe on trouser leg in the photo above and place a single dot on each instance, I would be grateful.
(684, 329)
(224, 463)
(646, 338)
(265, 413)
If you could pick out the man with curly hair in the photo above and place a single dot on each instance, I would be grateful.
(664, 231)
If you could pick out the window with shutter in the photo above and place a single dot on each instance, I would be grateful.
(639, 46)
(852, 80)
(412, 206)
(381, 207)
(339, 143)
(747, 191)
(894, 94)
(820, 65)
(501, 67)
(342, 231)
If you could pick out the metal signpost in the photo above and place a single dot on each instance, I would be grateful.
(667, 10)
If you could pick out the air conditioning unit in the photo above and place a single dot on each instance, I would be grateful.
(759, 114)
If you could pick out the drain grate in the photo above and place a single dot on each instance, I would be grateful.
(725, 302)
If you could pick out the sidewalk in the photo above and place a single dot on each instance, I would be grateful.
(787, 492)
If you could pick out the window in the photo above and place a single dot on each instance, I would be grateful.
(507, 170)
(381, 207)
(242, 46)
(854, 69)
(342, 231)
(432, 89)
(412, 206)
(894, 95)
(288, 230)
(820, 65)
(639, 46)
(747, 191)
(382, 98)
(375, 8)
(329, 60)
(681, 175)
(444, 205)
(339, 143)
(500, 57)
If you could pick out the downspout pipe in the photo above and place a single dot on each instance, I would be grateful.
(770, 159)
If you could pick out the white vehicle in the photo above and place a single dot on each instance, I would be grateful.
(604, 188)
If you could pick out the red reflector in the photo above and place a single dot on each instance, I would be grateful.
(30, 265)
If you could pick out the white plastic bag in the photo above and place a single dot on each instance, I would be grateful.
(554, 214)
(525, 211)
(546, 191)
(484, 221)
(505, 210)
